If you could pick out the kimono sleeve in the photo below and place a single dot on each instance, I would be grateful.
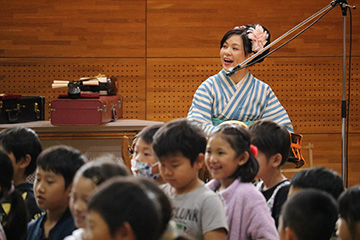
(201, 107)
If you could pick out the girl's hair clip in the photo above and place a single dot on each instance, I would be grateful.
(242, 27)
(253, 150)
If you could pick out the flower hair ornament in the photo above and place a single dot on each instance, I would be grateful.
(258, 37)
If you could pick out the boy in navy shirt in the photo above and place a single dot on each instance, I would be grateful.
(23, 146)
(56, 167)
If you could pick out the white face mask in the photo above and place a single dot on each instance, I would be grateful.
(144, 169)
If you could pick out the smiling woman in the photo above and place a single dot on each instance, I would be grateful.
(240, 97)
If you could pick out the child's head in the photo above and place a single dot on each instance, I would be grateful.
(144, 161)
(86, 179)
(308, 215)
(165, 204)
(319, 178)
(180, 137)
(16, 220)
(180, 147)
(229, 154)
(23, 145)
(273, 143)
(124, 207)
(56, 167)
(6, 174)
(349, 212)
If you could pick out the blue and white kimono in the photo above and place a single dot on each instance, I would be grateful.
(219, 99)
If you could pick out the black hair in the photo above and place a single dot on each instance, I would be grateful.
(22, 141)
(349, 208)
(15, 222)
(147, 133)
(243, 32)
(63, 160)
(180, 136)
(165, 204)
(101, 170)
(239, 139)
(126, 200)
(311, 214)
(319, 178)
(271, 138)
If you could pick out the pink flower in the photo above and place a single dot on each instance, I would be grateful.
(258, 37)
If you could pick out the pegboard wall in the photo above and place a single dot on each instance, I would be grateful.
(309, 89)
(35, 76)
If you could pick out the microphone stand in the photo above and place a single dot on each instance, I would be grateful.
(344, 161)
(344, 6)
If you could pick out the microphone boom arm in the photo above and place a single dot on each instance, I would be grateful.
(242, 65)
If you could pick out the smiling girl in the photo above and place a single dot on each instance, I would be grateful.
(230, 158)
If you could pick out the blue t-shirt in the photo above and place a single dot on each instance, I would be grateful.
(64, 227)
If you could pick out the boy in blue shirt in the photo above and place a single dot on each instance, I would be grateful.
(56, 167)
(198, 211)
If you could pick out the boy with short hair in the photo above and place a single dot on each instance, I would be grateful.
(23, 146)
(273, 143)
(308, 215)
(198, 211)
(349, 214)
(56, 167)
(320, 178)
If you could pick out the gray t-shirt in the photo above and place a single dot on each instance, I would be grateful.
(197, 212)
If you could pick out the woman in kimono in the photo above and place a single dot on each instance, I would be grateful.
(241, 97)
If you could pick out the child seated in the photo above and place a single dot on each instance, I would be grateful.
(230, 158)
(349, 212)
(197, 211)
(15, 221)
(308, 215)
(125, 208)
(144, 162)
(86, 180)
(56, 167)
(273, 143)
(23, 147)
(320, 178)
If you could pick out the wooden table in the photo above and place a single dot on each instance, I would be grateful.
(92, 141)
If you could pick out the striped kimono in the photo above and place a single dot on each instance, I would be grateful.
(219, 99)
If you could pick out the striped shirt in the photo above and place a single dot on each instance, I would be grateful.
(219, 99)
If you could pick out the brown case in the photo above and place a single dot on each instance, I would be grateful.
(86, 111)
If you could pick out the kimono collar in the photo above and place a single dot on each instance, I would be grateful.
(243, 79)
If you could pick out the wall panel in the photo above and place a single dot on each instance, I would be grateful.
(189, 28)
(68, 28)
(34, 76)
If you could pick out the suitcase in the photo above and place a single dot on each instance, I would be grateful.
(20, 109)
(86, 111)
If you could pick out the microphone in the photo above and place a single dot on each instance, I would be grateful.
(231, 72)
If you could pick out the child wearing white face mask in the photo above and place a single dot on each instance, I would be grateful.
(144, 162)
